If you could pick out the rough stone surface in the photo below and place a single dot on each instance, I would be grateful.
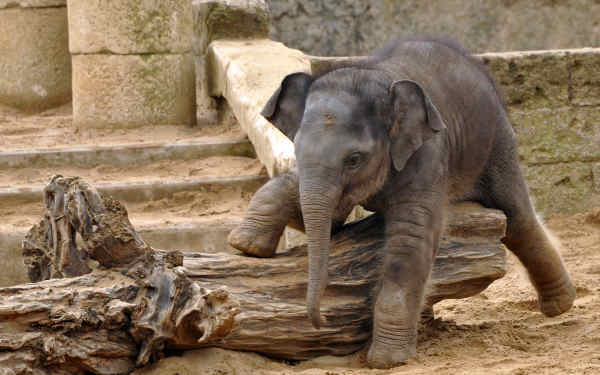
(557, 135)
(32, 3)
(35, 65)
(565, 188)
(130, 26)
(596, 177)
(585, 79)
(224, 19)
(553, 104)
(133, 90)
(531, 80)
(354, 27)
(246, 73)
(207, 107)
(229, 19)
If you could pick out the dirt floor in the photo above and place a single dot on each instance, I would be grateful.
(499, 331)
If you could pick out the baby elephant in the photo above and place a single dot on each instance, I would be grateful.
(403, 133)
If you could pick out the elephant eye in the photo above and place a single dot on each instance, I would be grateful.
(354, 160)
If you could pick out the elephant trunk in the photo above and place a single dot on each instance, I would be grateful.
(317, 207)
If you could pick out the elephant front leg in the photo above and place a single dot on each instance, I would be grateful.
(412, 233)
(273, 206)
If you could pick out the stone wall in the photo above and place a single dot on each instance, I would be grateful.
(132, 62)
(356, 27)
(553, 98)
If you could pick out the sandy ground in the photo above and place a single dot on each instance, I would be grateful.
(54, 128)
(183, 207)
(499, 331)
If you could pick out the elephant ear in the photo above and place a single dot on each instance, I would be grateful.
(416, 119)
(286, 106)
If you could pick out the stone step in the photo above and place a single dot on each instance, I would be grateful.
(144, 191)
(189, 201)
(192, 215)
(125, 155)
(184, 187)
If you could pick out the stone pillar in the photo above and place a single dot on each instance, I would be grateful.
(35, 65)
(222, 19)
(132, 62)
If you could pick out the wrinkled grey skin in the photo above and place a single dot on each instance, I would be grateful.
(403, 133)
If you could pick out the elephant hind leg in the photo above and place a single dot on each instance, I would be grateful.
(539, 253)
(271, 208)
(505, 189)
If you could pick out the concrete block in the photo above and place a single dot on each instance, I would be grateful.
(130, 26)
(133, 90)
(35, 64)
(247, 73)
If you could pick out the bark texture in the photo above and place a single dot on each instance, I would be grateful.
(113, 303)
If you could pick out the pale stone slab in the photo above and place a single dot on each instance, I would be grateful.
(133, 90)
(35, 64)
(247, 73)
(130, 26)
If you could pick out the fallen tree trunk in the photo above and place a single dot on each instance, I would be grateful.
(121, 303)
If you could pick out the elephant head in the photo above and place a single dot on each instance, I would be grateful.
(351, 129)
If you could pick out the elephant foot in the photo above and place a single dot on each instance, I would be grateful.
(385, 356)
(253, 242)
(557, 298)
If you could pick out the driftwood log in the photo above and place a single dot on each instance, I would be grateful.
(104, 302)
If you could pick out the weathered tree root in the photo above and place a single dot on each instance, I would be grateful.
(120, 303)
